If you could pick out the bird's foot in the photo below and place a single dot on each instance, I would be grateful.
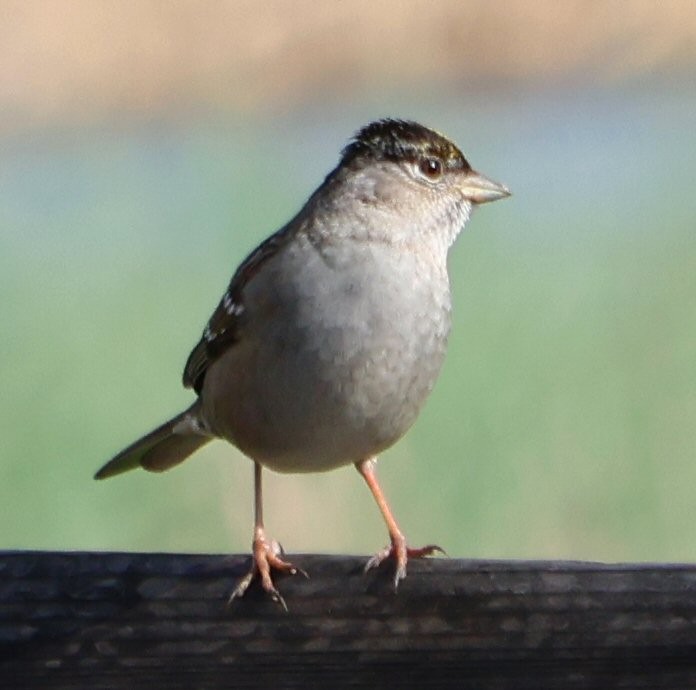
(401, 553)
(266, 556)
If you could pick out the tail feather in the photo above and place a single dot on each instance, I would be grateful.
(166, 446)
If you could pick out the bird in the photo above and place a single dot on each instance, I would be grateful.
(332, 332)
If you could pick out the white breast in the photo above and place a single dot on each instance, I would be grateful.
(339, 353)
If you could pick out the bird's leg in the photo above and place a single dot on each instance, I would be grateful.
(398, 549)
(265, 553)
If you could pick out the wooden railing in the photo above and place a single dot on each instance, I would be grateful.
(135, 620)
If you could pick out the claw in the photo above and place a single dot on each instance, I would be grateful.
(401, 553)
(380, 556)
(265, 557)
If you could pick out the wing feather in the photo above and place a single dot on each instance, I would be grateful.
(222, 330)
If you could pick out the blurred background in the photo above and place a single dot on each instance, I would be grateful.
(146, 147)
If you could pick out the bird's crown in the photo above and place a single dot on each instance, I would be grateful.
(400, 140)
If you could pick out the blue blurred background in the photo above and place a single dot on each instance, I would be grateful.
(145, 148)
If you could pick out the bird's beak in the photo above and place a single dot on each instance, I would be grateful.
(479, 189)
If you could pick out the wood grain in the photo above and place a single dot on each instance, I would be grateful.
(129, 620)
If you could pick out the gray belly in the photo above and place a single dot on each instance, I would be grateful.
(334, 365)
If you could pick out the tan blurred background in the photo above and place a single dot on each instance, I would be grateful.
(146, 147)
(84, 60)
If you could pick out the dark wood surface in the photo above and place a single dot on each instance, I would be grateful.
(112, 620)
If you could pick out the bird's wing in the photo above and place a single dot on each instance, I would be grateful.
(223, 327)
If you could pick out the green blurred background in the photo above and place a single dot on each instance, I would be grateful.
(145, 148)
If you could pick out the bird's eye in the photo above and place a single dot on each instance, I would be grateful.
(431, 168)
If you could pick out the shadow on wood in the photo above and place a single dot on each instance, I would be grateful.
(125, 620)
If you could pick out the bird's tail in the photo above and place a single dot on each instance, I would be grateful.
(166, 446)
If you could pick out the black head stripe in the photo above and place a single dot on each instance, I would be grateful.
(400, 140)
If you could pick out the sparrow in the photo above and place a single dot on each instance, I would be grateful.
(332, 332)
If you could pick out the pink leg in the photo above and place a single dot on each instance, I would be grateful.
(265, 553)
(398, 549)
